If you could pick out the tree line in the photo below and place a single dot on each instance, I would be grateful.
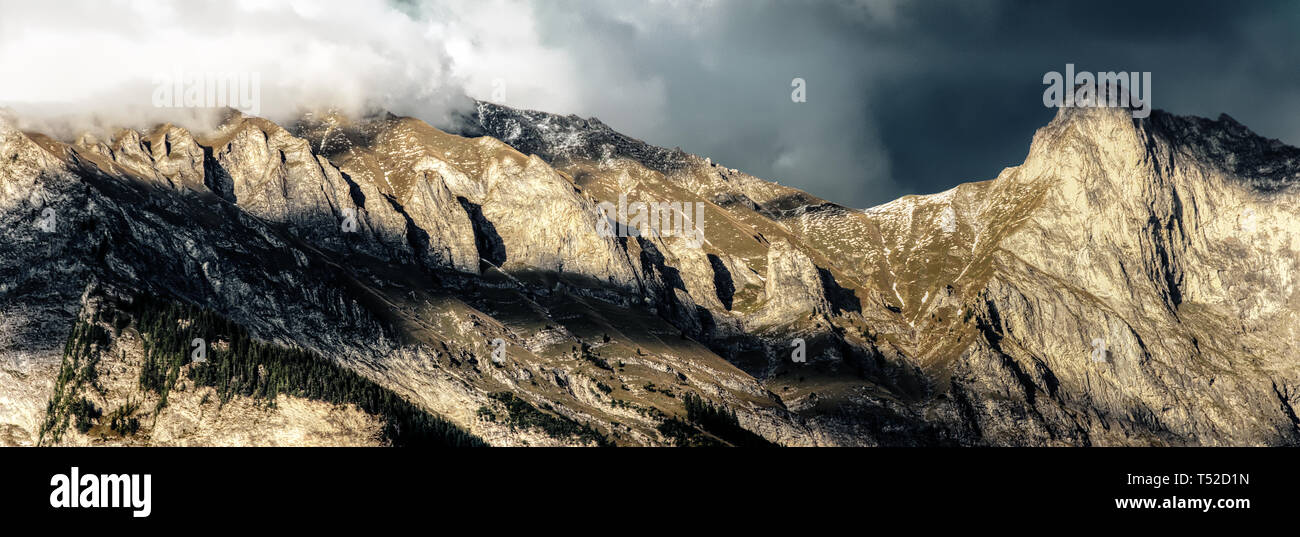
(243, 366)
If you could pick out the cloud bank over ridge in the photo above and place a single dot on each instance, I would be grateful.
(903, 97)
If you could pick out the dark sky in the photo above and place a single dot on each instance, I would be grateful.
(909, 97)
(903, 96)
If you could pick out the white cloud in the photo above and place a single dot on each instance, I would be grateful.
(709, 75)
(101, 57)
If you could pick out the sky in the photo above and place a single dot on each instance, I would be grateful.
(902, 97)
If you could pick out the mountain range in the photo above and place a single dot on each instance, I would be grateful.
(379, 281)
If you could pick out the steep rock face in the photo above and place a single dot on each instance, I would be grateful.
(793, 289)
(381, 229)
(546, 225)
(395, 168)
(435, 212)
(702, 267)
(1140, 290)
(275, 176)
(278, 176)
(25, 163)
(169, 155)
(530, 217)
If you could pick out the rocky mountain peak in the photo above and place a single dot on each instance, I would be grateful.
(556, 137)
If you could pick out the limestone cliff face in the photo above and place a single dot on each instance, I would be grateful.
(24, 164)
(546, 224)
(1151, 284)
(169, 156)
(277, 176)
(477, 199)
(1132, 282)
(273, 175)
(793, 289)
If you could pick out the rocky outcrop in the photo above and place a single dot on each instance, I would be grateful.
(545, 224)
(558, 138)
(168, 156)
(793, 290)
(278, 176)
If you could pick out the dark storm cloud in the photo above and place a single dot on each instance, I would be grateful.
(909, 97)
